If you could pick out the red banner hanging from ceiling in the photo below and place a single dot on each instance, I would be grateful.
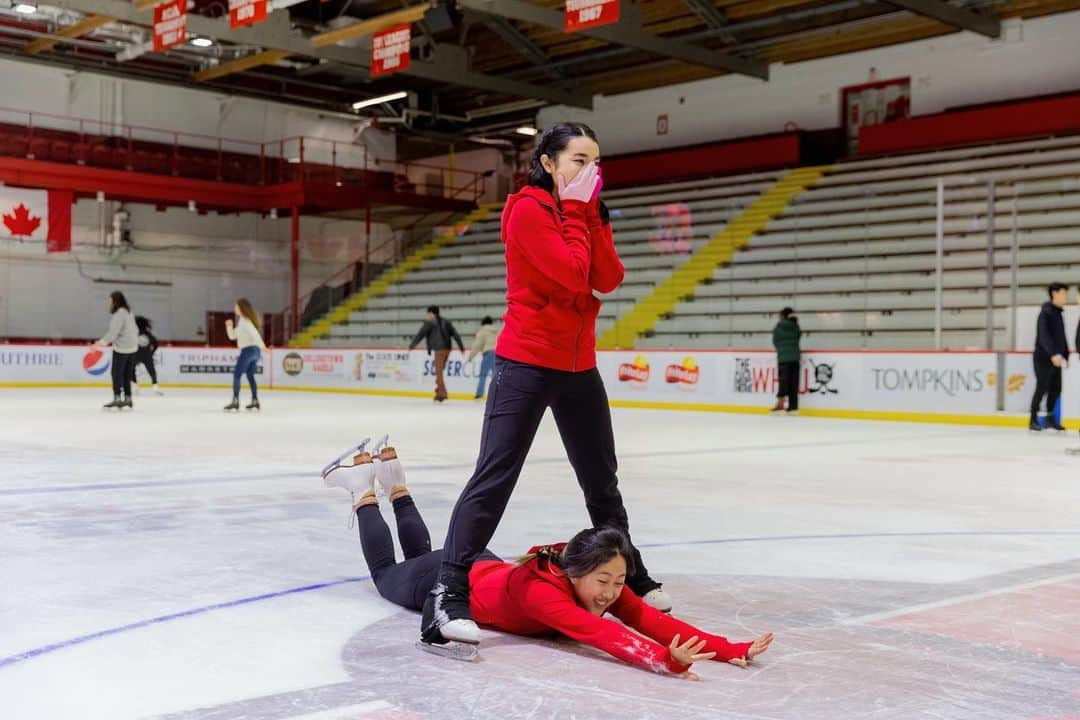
(170, 25)
(390, 50)
(582, 14)
(246, 12)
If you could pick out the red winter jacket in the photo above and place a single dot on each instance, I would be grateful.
(536, 599)
(554, 261)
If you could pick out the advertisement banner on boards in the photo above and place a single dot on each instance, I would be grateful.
(825, 380)
(931, 382)
(203, 366)
(53, 363)
(963, 383)
(659, 376)
(1020, 385)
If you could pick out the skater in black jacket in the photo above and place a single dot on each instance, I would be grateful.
(1050, 356)
(148, 345)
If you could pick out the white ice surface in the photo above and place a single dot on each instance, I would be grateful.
(107, 520)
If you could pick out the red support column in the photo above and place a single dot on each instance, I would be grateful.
(294, 277)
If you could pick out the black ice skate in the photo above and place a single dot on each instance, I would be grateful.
(116, 404)
(234, 405)
(254, 405)
(447, 627)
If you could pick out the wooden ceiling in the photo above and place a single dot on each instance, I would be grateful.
(788, 31)
(838, 28)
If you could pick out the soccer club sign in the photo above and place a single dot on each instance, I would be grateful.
(584, 14)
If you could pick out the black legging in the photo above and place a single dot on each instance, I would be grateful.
(519, 396)
(123, 368)
(406, 583)
(789, 384)
(145, 356)
(1047, 384)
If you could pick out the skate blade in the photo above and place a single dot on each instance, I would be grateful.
(452, 650)
(348, 453)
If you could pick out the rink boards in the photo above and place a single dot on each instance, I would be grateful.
(830, 383)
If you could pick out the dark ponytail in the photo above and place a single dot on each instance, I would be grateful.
(551, 143)
(586, 551)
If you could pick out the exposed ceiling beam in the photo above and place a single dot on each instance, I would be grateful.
(448, 64)
(84, 27)
(516, 39)
(711, 15)
(370, 26)
(958, 17)
(623, 34)
(520, 42)
(266, 57)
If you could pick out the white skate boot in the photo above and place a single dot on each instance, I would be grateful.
(388, 469)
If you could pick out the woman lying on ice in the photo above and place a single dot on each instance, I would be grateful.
(565, 588)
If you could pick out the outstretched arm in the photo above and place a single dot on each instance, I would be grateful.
(662, 628)
(420, 334)
(548, 605)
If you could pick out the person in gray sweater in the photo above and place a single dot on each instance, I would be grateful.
(123, 335)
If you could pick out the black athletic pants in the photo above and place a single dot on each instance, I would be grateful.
(1047, 383)
(406, 583)
(123, 369)
(789, 384)
(145, 356)
(519, 396)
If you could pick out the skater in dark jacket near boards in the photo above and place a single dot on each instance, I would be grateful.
(1050, 356)
(785, 338)
(559, 251)
(566, 588)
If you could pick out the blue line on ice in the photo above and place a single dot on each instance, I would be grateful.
(44, 649)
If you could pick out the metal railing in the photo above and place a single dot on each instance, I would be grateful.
(95, 143)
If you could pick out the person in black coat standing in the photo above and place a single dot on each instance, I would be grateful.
(440, 334)
(785, 338)
(1050, 356)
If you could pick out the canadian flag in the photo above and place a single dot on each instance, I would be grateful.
(41, 215)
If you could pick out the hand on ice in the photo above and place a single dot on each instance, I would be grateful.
(689, 652)
(760, 645)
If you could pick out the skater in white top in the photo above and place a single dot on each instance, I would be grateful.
(123, 335)
(246, 334)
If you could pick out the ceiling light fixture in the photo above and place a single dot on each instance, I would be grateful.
(526, 130)
(361, 104)
(25, 8)
(203, 42)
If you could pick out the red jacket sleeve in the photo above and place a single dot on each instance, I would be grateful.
(549, 605)
(562, 256)
(606, 272)
(646, 619)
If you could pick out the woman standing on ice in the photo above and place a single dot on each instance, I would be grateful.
(565, 588)
(123, 335)
(247, 337)
(559, 249)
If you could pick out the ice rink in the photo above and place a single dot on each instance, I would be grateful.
(178, 562)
